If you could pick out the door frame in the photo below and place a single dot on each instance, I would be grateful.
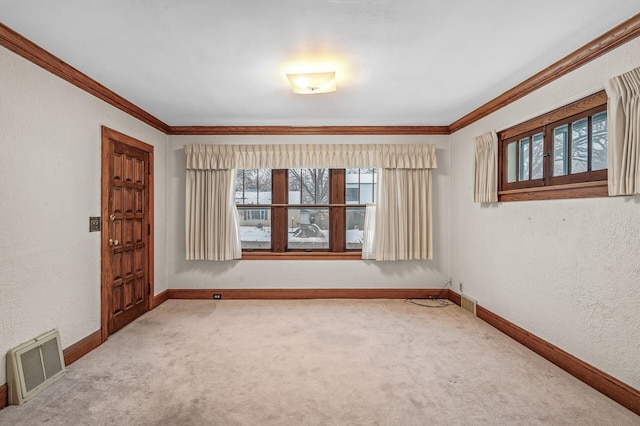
(109, 135)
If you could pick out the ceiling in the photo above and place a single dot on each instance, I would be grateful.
(397, 62)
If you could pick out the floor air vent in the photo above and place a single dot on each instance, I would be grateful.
(33, 366)
(468, 304)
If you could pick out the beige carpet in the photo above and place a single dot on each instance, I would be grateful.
(314, 362)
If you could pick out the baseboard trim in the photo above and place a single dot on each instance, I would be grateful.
(316, 293)
(159, 299)
(618, 391)
(454, 297)
(82, 347)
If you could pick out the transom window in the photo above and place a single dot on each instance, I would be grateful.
(564, 151)
(303, 209)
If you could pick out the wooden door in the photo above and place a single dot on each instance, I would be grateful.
(126, 231)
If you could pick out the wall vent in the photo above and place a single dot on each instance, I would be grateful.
(468, 304)
(33, 366)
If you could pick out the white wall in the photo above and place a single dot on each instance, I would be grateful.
(299, 273)
(566, 270)
(50, 136)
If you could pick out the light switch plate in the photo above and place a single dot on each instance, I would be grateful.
(94, 223)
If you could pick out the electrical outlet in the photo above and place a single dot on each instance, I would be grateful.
(217, 296)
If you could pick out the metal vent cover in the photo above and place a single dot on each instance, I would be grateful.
(468, 304)
(33, 366)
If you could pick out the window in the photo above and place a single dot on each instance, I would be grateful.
(308, 209)
(253, 199)
(256, 214)
(303, 210)
(562, 154)
(217, 196)
(360, 189)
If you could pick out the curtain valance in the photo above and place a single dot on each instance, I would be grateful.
(285, 156)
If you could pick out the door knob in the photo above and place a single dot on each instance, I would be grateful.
(112, 217)
(113, 242)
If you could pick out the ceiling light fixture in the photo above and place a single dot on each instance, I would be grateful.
(313, 82)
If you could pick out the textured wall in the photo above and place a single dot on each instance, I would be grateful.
(50, 172)
(566, 270)
(307, 274)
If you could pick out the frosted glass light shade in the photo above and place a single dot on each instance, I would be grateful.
(315, 82)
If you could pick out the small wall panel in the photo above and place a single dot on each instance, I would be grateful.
(116, 200)
(116, 266)
(117, 168)
(116, 300)
(129, 169)
(127, 237)
(139, 289)
(129, 201)
(128, 294)
(138, 259)
(137, 231)
(127, 263)
(139, 202)
(139, 172)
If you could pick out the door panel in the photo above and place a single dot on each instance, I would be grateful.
(128, 207)
(127, 257)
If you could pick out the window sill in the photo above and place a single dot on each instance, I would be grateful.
(557, 192)
(294, 255)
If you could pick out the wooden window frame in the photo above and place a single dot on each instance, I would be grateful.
(579, 185)
(279, 222)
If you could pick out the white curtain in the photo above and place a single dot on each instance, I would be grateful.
(369, 237)
(485, 168)
(623, 112)
(403, 215)
(212, 231)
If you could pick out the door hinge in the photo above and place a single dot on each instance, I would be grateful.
(148, 229)
(148, 288)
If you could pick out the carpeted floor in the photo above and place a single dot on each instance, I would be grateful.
(314, 362)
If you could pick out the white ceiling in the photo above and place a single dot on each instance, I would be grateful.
(398, 62)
